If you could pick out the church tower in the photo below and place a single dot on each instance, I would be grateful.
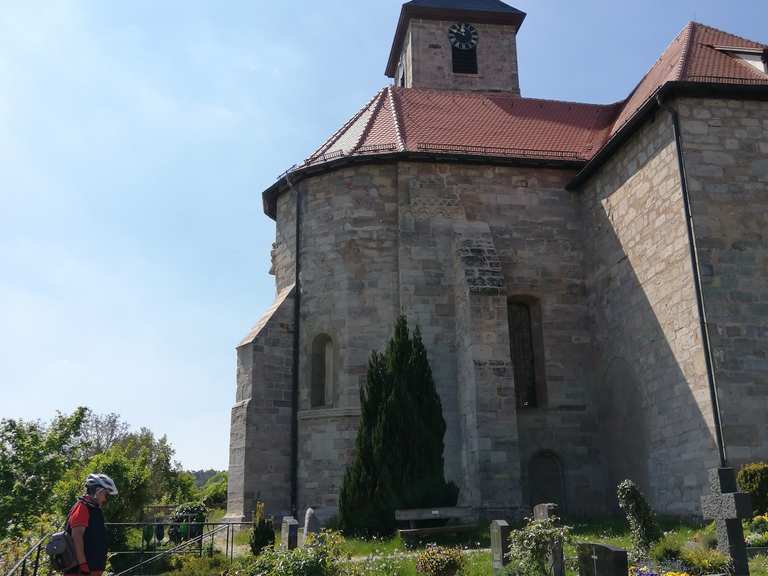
(456, 45)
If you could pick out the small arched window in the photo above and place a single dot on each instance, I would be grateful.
(323, 373)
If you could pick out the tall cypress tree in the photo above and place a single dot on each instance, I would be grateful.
(398, 461)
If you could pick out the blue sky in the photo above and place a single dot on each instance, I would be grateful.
(136, 138)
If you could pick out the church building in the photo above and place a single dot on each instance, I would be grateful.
(590, 281)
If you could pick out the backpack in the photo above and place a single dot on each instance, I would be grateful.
(61, 549)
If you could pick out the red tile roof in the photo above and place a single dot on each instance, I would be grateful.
(498, 124)
(694, 56)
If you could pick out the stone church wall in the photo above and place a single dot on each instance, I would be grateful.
(533, 224)
(651, 385)
(349, 293)
(259, 447)
(726, 157)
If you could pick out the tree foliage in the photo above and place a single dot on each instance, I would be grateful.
(100, 432)
(753, 478)
(214, 491)
(398, 460)
(33, 457)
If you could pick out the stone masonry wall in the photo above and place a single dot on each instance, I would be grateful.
(429, 58)
(259, 448)
(726, 158)
(535, 230)
(348, 292)
(652, 395)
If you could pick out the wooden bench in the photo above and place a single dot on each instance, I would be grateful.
(466, 519)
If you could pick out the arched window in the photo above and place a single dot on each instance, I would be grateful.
(323, 373)
(526, 343)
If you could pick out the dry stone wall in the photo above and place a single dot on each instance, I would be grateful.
(726, 159)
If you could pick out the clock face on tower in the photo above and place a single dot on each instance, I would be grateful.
(463, 36)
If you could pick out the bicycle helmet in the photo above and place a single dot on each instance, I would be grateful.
(102, 481)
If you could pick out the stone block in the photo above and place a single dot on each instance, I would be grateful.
(500, 530)
(289, 533)
(601, 560)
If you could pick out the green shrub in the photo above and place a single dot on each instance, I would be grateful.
(439, 561)
(262, 533)
(197, 565)
(753, 478)
(643, 527)
(398, 458)
(214, 491)
(699, 561)
(668, 549)
(759, 524)
(707, 537)
(529, 547)
(322, 555)
(757, 539)
(189, 518)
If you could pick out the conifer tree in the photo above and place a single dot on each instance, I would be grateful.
(398, 461)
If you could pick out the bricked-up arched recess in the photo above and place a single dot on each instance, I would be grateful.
(545, 479)
(526, 342)
(323, 372)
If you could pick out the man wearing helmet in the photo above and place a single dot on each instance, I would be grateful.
(85, 523)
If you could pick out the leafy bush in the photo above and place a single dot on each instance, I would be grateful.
(439, 561)
(197, 565)
(668, 549)
(643, 527)
(322, 555)
(262, 532)
(700, 560)
(707, 537)
(759, 523)
(757, 539)
(753, 478)
(188, 519)
(530, 546)
(398, 460)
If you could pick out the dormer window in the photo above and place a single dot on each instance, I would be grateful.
(757, 58)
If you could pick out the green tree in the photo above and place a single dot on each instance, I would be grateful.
(33, 457)
(398, 461)
(214, 491)
(131, 476)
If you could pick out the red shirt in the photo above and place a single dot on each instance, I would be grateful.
(80, 516)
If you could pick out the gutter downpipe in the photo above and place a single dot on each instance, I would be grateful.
(294, 496)
(712, 381)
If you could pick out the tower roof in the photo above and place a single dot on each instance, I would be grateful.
(479, 11)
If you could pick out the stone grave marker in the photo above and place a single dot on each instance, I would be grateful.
(500, 530)
(289, 533)
(601, 560)
(727, 506)
(556, 557)
(311, 525)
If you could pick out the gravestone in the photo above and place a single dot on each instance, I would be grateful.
(727, 506)
(499, 545)
(601, 560)
(311, 525)
(289, 534)
(556, 558)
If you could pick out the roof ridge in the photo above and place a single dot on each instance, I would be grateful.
(682, 65)
(374, 114)
(396, 119)
(336, 135)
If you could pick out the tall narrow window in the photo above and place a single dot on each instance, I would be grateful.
(323, 373)
(526, 350)
(464, 61)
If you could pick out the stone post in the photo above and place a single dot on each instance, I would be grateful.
(499, 545)
(727, 506)
(289, 534)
